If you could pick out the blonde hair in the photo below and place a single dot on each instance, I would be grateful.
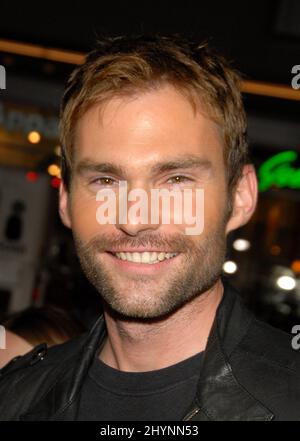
(124, 65)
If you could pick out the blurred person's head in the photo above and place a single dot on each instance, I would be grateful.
(32, 326)
(163, 113)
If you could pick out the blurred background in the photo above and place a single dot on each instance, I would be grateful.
(41, 43)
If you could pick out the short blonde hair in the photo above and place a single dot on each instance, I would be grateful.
(124, 65)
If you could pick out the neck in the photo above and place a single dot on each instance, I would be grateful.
(136, 346)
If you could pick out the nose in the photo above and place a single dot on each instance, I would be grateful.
(134, 229)
(136, 215)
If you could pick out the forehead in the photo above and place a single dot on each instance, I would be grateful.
(146, 126)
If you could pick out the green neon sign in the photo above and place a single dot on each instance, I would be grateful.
(278, 171)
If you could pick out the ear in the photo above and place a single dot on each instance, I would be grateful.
(64, 209)
(244, 199)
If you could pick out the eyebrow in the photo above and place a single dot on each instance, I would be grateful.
(87, 165)
(186, 162)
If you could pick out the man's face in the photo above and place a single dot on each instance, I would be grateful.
(152, 141)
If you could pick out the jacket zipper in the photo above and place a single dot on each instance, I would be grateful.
(191, 414)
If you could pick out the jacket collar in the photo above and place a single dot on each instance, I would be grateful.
(219, 394)
(220, 397)
(61, 400)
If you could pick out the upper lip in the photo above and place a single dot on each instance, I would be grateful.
(140, 250)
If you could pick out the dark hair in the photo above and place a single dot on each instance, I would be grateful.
(48, 324)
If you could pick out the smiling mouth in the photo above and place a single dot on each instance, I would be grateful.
(146, 257)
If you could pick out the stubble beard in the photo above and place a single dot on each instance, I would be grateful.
(145, 297)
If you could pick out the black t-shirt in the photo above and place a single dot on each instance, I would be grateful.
(161, 395)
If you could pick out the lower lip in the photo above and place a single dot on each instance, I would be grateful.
(142, 268)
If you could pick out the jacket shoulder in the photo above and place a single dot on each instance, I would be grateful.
(272, 345)
(266, 364)
(252, 336)
(30, 376)
(42, 353)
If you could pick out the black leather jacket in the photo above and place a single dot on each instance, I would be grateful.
(250, 372)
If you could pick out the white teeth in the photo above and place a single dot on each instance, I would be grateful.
(145, 257)
(136, 257)
(161, 256)
(129, 257)
(153, 257)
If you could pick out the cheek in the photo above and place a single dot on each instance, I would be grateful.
(209, 206)
(83, 214)
(215, 203)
